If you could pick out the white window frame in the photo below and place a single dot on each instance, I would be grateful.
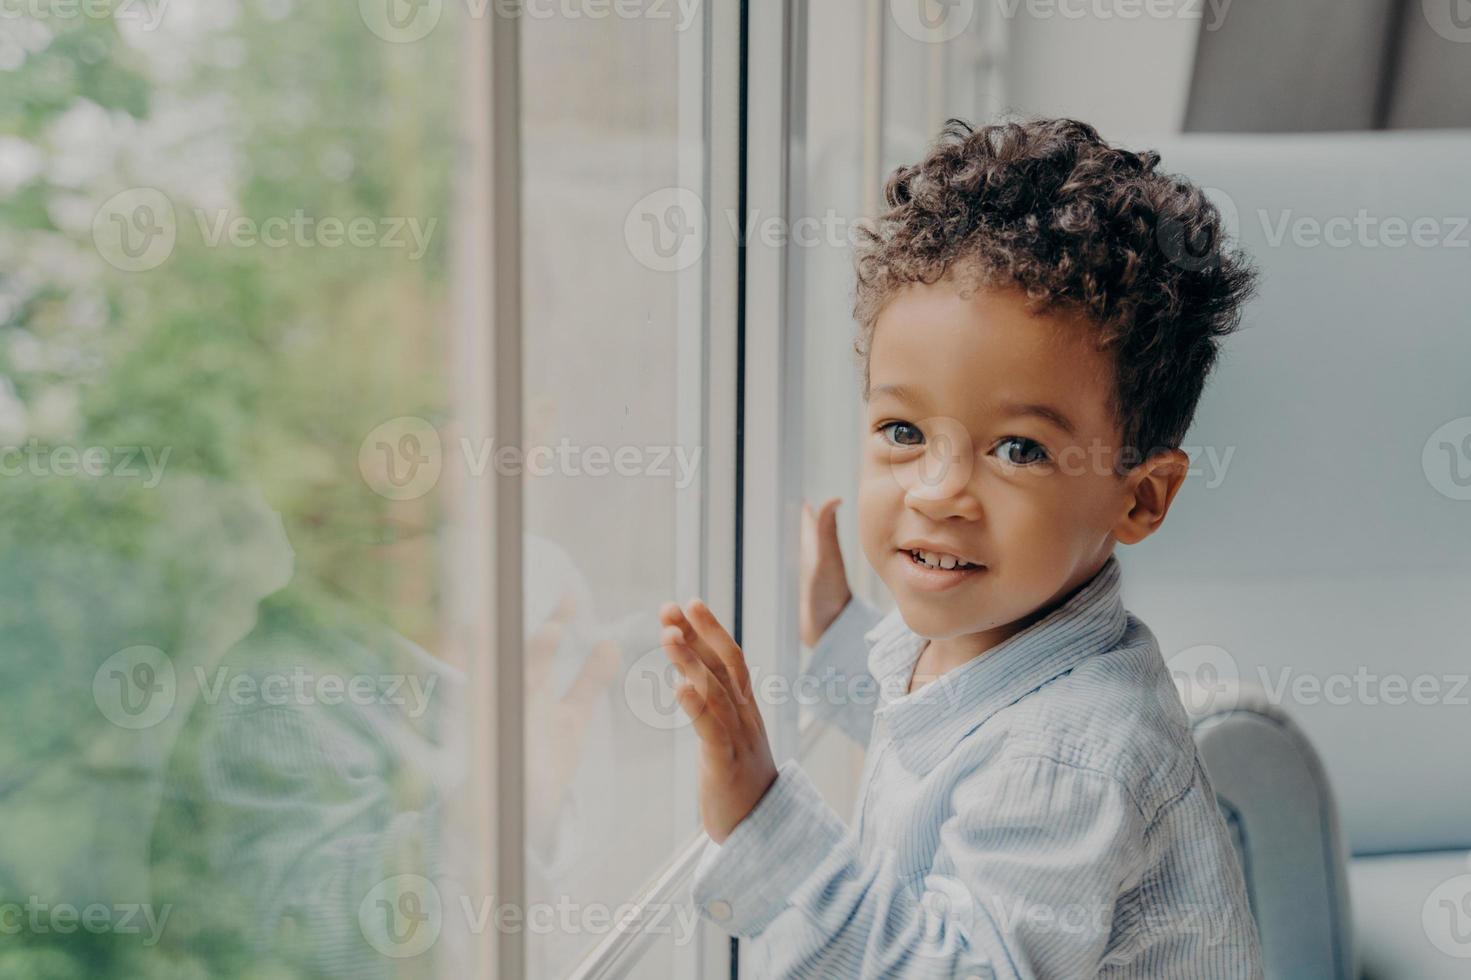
(776, 60)
(486, 601)
(486, 611)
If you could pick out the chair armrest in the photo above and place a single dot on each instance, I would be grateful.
(1274, 794)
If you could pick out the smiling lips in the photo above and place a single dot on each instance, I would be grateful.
(938, 559)
(935, 571)
(938, 554)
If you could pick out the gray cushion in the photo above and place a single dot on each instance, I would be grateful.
(1276, 799)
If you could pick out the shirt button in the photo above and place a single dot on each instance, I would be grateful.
(719, 911)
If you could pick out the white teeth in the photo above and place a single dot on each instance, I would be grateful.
(937, 560)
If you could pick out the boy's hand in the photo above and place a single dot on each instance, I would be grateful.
(824, 586)
(736, 768)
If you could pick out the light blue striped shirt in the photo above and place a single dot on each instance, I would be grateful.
(1039, 811)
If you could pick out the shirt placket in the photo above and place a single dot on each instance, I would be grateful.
(880, 739)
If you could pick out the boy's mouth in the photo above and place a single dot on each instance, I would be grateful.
(939, 559)
(936, 571)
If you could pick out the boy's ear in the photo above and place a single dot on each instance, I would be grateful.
(1149, 489)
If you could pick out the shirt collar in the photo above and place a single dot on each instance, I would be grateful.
(927, 724)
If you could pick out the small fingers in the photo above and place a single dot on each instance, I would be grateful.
(706, 725)
(701, 696)
(672, 615)
(724, 647)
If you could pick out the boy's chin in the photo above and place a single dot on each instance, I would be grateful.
(921, 616)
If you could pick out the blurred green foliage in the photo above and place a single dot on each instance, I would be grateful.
(258, 370)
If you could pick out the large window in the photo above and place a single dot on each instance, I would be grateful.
(224, 354)
(259, 605)
(636, 477)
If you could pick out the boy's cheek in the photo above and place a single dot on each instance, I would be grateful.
(880, 503)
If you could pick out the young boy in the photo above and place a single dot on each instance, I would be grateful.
(1038, 313)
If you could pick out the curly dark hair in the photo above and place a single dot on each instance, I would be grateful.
(1047, 206)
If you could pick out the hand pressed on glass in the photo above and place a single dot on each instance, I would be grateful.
(736, 768)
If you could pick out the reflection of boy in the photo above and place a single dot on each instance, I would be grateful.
(310, 807)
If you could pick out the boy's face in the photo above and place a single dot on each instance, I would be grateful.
(954, 457)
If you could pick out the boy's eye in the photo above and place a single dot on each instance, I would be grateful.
(904, 431)
(1021, 451)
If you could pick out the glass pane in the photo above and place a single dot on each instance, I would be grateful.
(613, 180)
(223, 372)
(872, 102)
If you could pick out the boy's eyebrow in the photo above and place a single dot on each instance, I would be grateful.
(901, 392)
(1041, 411)
(1047, 412)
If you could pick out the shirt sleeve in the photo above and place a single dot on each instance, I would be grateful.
(838, 671)
(1028, 869)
